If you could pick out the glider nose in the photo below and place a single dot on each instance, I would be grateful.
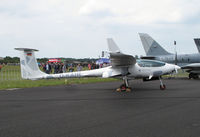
(176, 68)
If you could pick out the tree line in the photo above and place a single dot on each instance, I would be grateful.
(9, 59)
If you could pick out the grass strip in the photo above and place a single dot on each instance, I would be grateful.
(8, 84)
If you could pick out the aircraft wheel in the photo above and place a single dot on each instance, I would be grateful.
(128, 89)
(123, 87)
(190, 75)
(118, 90)
(195, 76)
(162, 87)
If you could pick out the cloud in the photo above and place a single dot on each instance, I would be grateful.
(36, 8)
(79, 28)
(141, 11)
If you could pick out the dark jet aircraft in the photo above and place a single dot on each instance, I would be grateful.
(154, 51)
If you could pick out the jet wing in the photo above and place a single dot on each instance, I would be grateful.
(192, 66)
(149, 57)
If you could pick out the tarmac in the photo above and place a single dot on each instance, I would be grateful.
(96, 110)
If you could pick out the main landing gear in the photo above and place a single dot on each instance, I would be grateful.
(162, 86)
(125, 86)
(193, 75)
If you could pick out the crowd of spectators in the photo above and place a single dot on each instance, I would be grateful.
(55, 68)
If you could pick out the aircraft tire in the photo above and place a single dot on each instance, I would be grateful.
(190, 75)
(128, 89)
(162, 87)
(118, 90)
(194, 76)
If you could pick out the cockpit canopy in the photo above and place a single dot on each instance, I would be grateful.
(149, 63)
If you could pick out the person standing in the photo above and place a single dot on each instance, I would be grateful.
(71, 69)
(89, 66)
(47, 68)
(56, 68)
(64, 68)
(0, 67)
(79, 67)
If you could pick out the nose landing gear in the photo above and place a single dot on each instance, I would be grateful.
(162, 86)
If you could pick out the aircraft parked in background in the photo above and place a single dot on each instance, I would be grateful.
(197, 42)
(122, 66)
(190, 62)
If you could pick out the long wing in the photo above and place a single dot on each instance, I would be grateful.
(121, 60)
(117, 58)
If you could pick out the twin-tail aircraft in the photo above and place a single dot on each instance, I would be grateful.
(122, 66)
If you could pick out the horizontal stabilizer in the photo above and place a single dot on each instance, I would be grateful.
(26, 49)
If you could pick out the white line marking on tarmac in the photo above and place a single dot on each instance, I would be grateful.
(11, 89)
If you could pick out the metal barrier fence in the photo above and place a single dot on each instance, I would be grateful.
(10, 73)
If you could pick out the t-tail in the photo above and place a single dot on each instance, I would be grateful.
(151, 47)
(28, 64)
(197, 42)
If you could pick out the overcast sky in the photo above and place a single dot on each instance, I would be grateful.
(79, 28)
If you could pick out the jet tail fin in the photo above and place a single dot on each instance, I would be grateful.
(197, 42)
(151, 47)
(28, 64)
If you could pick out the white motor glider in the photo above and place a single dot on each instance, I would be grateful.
(122, 66)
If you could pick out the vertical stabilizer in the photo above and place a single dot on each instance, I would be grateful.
(112, 46)
(151, 47)
(197, 42)
(28, 64)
